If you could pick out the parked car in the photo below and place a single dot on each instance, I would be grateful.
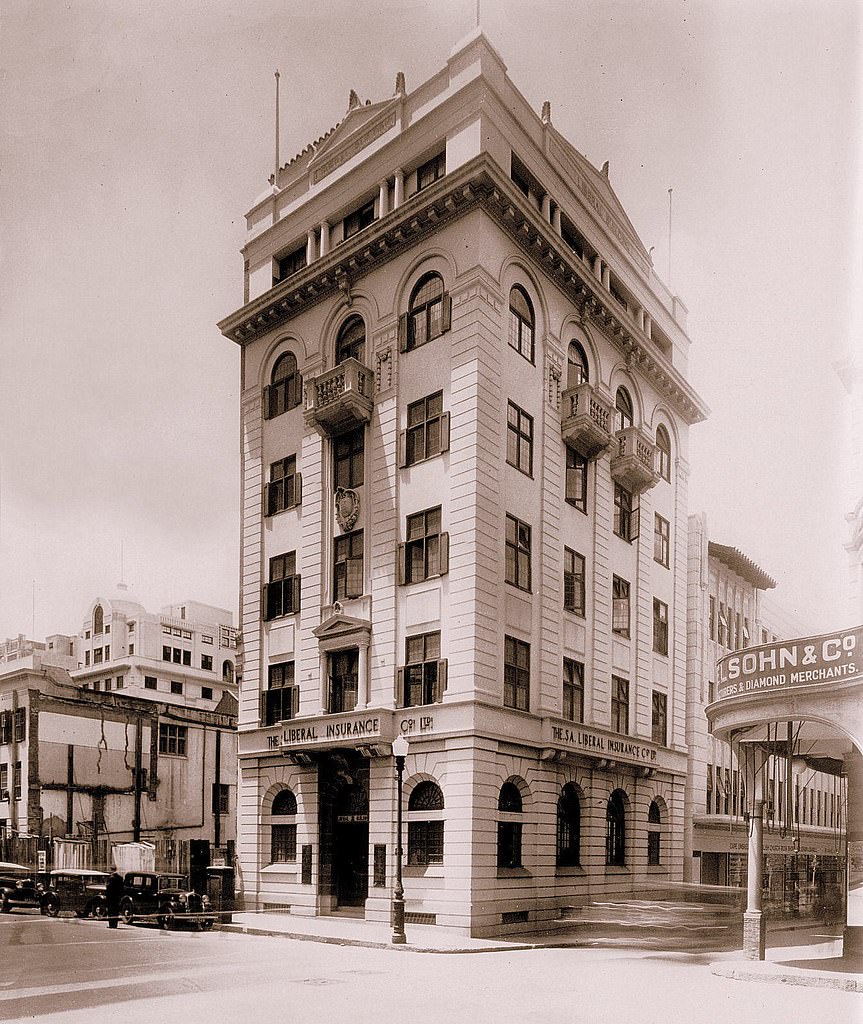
(17, 887)
(75, 890)
(165, 899)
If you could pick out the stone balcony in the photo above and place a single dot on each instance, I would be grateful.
(585, 420)
(633, 459)
(340, 399)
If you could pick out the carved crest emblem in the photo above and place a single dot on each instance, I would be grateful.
(347, 508)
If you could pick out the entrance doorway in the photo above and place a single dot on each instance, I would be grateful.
(344, 796)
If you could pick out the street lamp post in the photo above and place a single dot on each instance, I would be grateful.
(400, 749)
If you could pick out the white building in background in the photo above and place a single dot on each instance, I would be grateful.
(183, 654)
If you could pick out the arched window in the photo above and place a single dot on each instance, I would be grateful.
(285, 390)
(227, 671)
(521, 323)
(615, 829)
(283, 838)
(425, 824)
(428, 315)
(577, 369)
(663, 444)
(623, 415)
(654, 835)
(351, 342)
(568, 827)
(98, 620)
(509, 805)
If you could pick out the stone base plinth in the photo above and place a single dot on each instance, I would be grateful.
(754, 934)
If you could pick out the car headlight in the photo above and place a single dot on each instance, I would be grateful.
(205, 901)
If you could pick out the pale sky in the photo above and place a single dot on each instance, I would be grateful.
(135, 137)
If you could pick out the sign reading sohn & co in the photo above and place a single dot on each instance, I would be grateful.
(830, 657)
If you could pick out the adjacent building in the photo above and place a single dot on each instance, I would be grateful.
(805, 807)
(465, 417)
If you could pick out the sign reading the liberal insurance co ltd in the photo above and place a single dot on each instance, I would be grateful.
(830, 657)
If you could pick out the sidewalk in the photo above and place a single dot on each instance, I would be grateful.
(815, 960)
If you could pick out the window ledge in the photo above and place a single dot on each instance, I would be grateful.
(616, 869)
(657, 869)
(513, 873)
(282, 868)
(570, 870)
(423, 871)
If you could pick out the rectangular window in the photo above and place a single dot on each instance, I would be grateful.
(423, 678)
(289, 264)
(176, 688)
(206, 693)
(573, 690)
(282, 594)
(738, 632)
(119, 683)
(660, 626)
(517, 553)
(623, 520)
(97, 656)
(661, 540)
(620, 606)
(427, 431)
(207, 662)
(283, 490)
(86, 657)
(659, 718)
(280, 697)
(284, 844)
(576, 479)
(359, 219)
(150, 683)
(220, 798)
(348, 459)
(509, 844)
(131, 650)
(108, 652)
(187, 657)
(109, 684)
(206, 638)
(573, 581)
(711, 622)
(348, 566)
(431, 171)
(708, 803)
(723, 626)
(519, 439)
(4, 779)
(177, 656)
(172, 739)
(619, 704)
(97, 685)
(16, 784)
(20, 726)
(425, 842)
(343, 681)
(426, 550)
(516, 674)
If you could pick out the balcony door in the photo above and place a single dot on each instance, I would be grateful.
(344, 678)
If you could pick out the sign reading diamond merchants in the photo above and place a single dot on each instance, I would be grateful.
(828, 658)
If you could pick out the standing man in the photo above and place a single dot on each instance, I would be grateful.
(113, 895)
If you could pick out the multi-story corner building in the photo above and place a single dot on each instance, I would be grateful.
(184, 655)
(465, 421)
(806, 807)
(109, 768)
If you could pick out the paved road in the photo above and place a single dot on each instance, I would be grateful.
(68, 971)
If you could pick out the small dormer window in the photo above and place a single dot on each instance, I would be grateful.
(359, 219)
(98, 620)
(431, 171)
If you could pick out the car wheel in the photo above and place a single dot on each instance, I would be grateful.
(127, 911)
(99, 910)
(4, 905)
(51, 907)
(206, 925)
(167, 921)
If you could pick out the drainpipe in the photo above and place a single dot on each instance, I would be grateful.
(217, 793)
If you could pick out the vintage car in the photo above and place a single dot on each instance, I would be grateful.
(75, 890)
(165, 899)
(17, 887)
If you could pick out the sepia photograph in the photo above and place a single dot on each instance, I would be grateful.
(431, 511)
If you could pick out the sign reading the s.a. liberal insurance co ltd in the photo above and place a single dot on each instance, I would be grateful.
(829, 658)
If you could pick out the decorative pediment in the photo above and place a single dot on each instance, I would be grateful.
(340, 630)
(360, 127)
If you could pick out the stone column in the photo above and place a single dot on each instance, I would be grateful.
(310, 247)
(325, 238)
(399, 189)
(555, 219)
(754, 924)
(606, 277)
(648, 325)
(597, 267)
(853, 935)
(546, 208)
(363, 695)
(324, 681)
(383, 198)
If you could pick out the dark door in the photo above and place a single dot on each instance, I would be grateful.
(351, 846)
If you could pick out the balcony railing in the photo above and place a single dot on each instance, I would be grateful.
(340, 399)
(585, 420)
(633, 460)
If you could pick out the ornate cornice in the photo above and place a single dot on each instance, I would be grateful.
(479, 183)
